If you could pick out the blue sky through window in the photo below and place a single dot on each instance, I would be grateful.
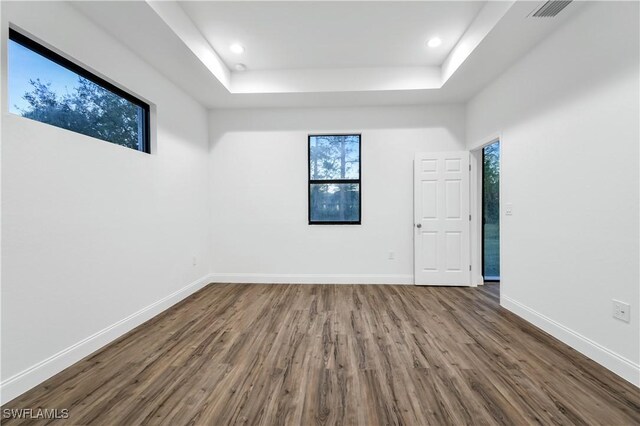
(64, 98)
(25, 65)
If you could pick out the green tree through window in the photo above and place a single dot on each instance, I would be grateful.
(88, 109)
(334, 179)
(49, 88)
(491, 211)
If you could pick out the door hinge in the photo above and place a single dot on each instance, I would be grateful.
(469, 267)
(469, 218)
(469, 167)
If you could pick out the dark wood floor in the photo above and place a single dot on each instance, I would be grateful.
(337, 354)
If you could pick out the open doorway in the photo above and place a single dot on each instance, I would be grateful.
(491, 212)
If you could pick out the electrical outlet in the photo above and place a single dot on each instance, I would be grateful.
(392, 255)
(621, 310)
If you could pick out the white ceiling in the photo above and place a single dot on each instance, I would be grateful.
(167, 36)
(282, 35)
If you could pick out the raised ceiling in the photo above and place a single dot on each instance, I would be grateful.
(326, 53)
(284, 35)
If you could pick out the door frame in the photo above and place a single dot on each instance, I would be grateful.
(475, 194)
(482, 228)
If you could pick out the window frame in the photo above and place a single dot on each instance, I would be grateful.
(334, 181)
(29, 43)
(491, 279)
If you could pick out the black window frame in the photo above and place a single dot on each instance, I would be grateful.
(38, 48)
(334, 181)
(491, 279)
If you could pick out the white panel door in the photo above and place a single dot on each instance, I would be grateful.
(441, 218)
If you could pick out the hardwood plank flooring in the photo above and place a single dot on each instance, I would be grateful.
(337, 355)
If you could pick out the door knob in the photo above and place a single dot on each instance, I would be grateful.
(419, 225)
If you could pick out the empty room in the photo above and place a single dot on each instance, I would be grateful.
(320, 212)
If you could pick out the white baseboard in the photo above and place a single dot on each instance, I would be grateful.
(618, 364)
(311, 278)
(38, 373)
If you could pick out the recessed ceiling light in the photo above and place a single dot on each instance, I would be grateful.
(434, 42)
(236, 48)
(241, 67)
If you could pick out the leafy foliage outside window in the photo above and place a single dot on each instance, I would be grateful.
(334, 179)
(491, 210)
(45, 87)
(89, 109)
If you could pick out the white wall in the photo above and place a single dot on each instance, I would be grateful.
(258, 168)
(93, 232)
(569, 116)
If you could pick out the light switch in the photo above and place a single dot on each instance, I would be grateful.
(508, 209)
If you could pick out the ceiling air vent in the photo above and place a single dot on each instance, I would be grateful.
(551, 8)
